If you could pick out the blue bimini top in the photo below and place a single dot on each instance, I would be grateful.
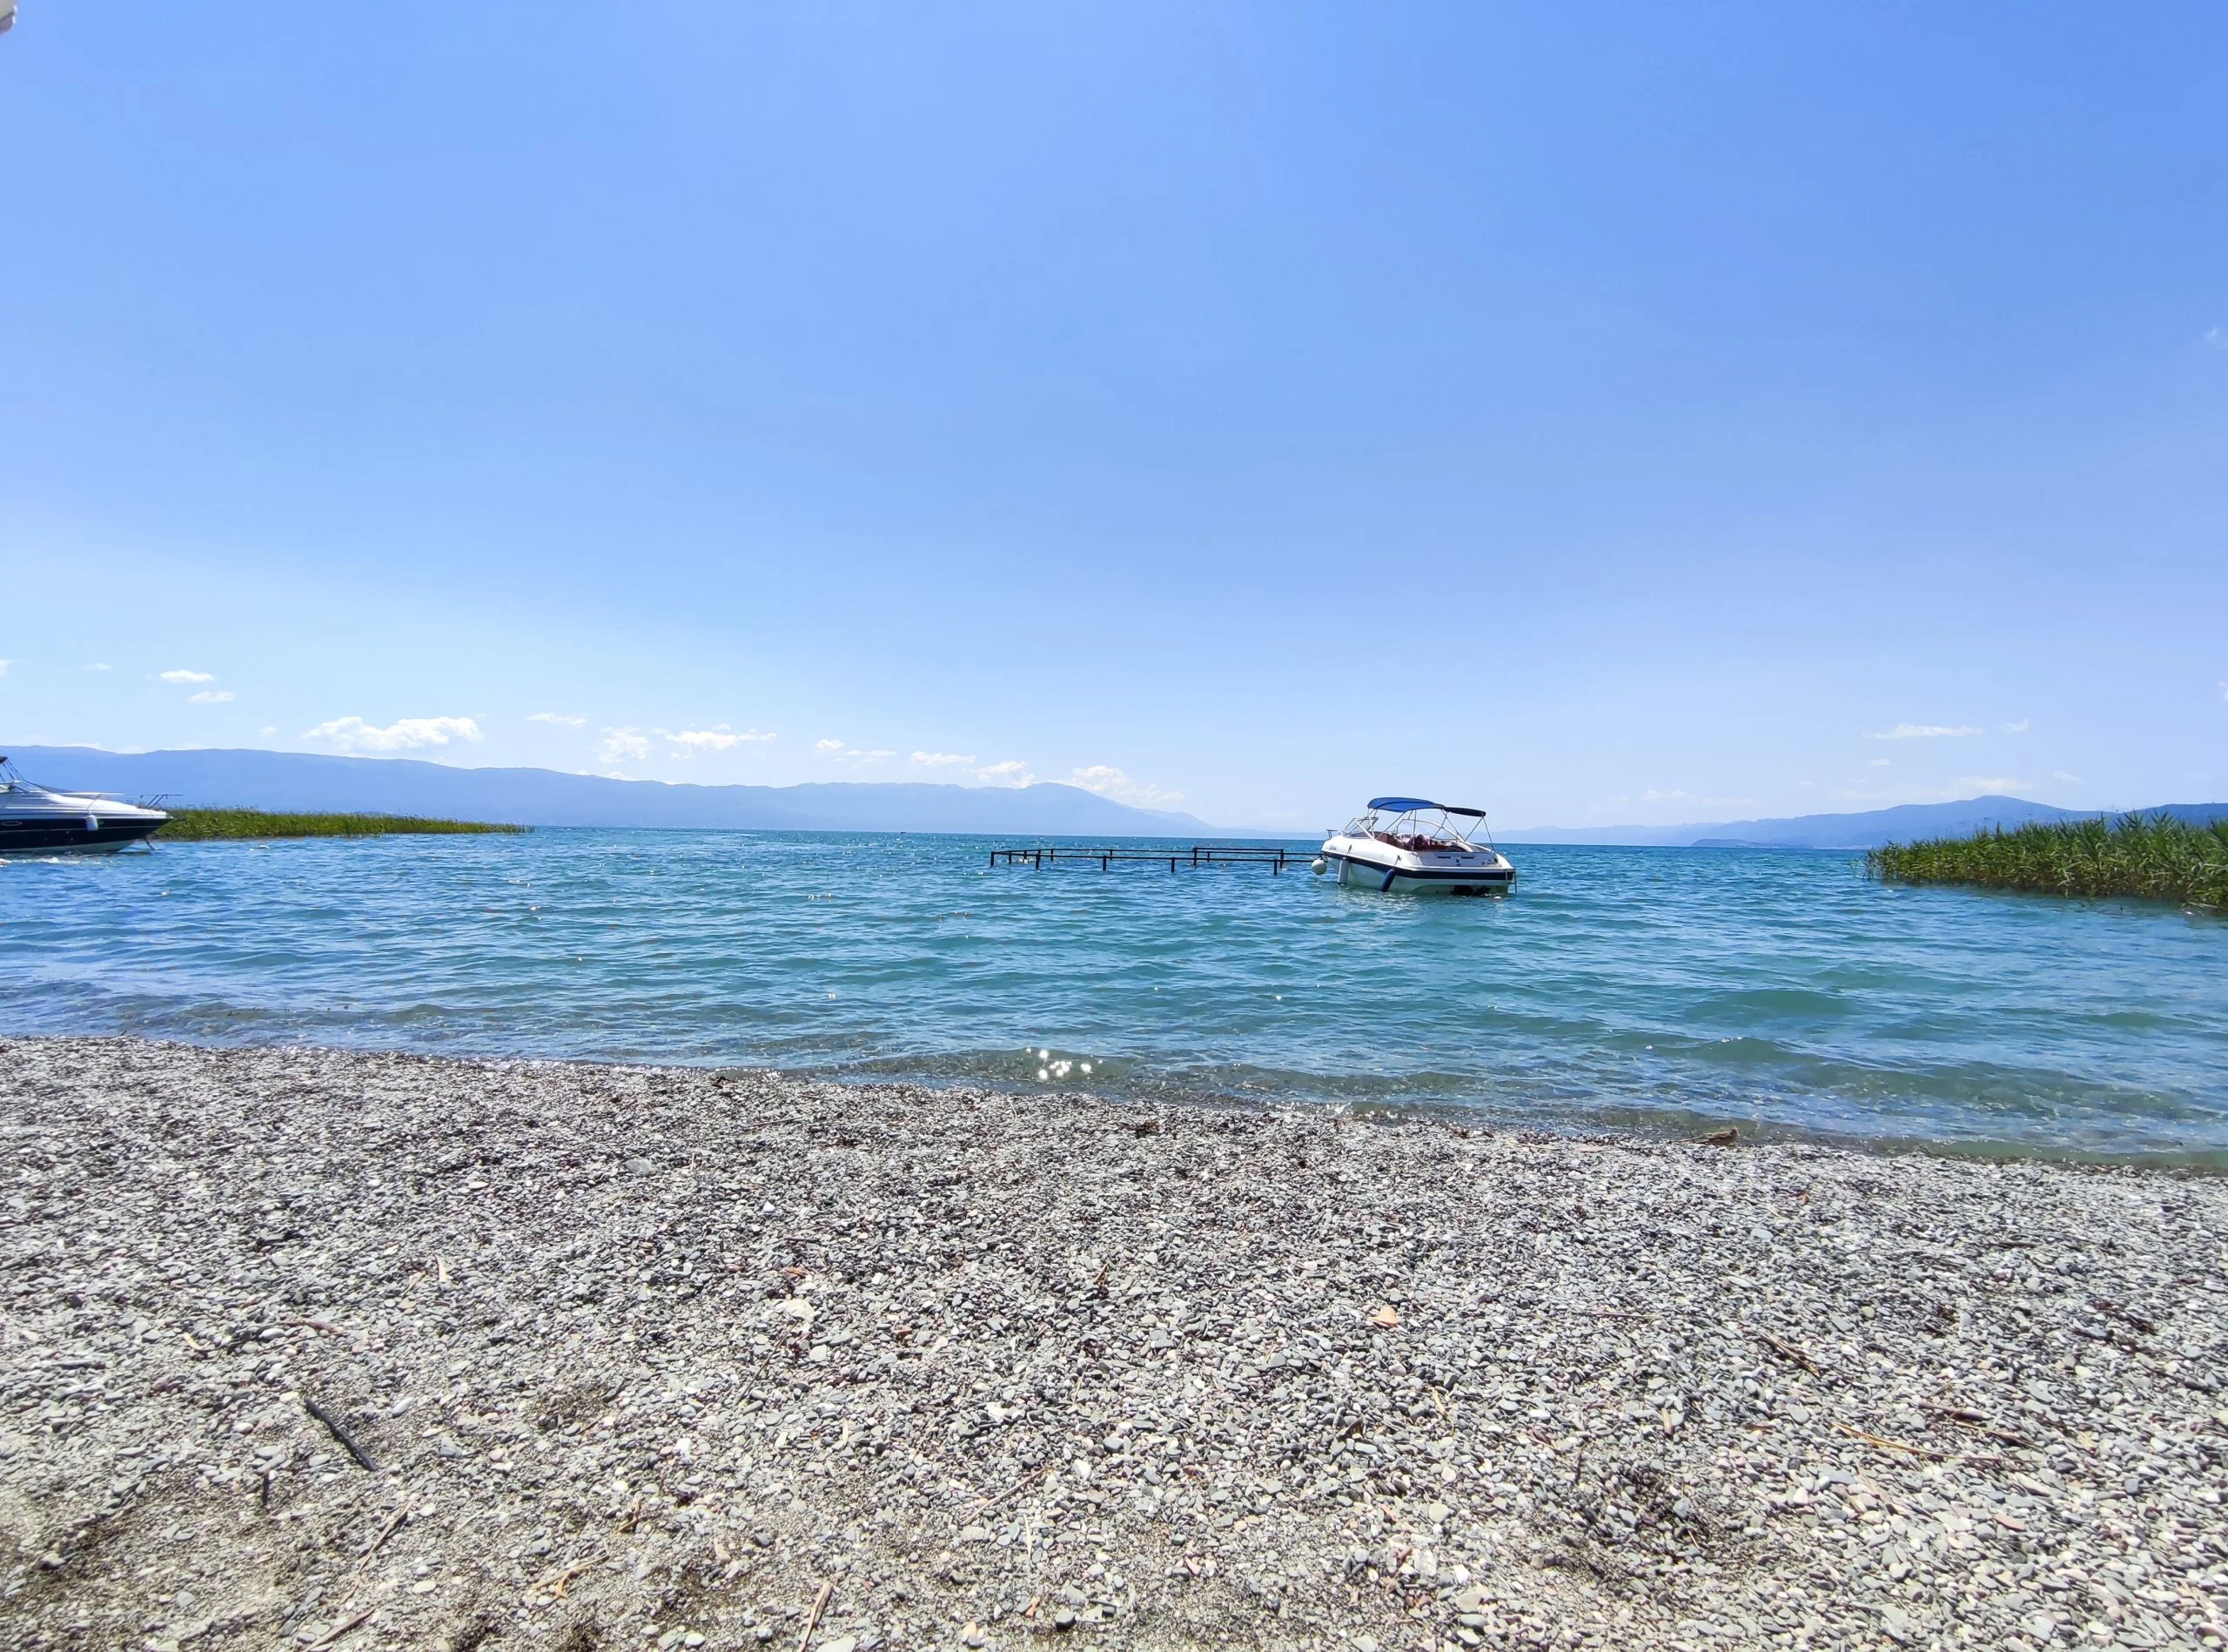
(1408, 805)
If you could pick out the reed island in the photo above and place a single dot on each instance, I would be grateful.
(206, 825)
(2154, 858)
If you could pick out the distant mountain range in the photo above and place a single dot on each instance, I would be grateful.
(288, 780)
(1905, 824)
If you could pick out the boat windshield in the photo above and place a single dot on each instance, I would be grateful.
(1421, 828)
(12, 780)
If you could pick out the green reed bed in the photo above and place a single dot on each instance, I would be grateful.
(2150, 856)
(204, 825)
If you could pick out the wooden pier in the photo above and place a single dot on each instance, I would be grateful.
(1177, 859)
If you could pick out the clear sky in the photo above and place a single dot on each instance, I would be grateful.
(1597, 413)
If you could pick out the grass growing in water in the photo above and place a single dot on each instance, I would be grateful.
(2151, 856)
(202, 825)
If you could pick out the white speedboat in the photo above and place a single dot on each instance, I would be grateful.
(1414, 846)
(35, 821)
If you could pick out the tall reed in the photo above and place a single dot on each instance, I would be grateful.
(201, 825)
(2150, 856)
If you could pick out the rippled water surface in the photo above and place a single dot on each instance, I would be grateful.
(1648, 988)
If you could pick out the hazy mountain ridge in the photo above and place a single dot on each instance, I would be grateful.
(304, 781)
(1905, 823)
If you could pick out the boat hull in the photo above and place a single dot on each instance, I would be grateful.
(72, 836)
(1355, 872)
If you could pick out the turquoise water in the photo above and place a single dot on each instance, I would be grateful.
(1648, 989)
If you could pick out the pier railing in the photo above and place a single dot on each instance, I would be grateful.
(1196, 854)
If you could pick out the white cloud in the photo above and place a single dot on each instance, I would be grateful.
(2018, 727)
(2216, 338)
(624, 745)
(1012, 772)
(843, 753)
(187, 676)
(3, 668)
(1109, 782)
(1928, 731)
(406, 733)
(562, 718)
(1882, 762)
(271, 727)
(940, 760)
(97, 665)
(209, 697)
(2060, 774)
(688, 741)
(1993, 783)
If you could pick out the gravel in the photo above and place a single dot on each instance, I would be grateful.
(654, 1357)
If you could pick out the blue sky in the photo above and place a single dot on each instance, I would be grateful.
(1602, 414)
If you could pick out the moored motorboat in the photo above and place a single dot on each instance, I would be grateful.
(1411, 845)
(36, 820)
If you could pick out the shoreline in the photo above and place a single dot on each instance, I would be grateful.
(646, 1352)
(1623, 1123)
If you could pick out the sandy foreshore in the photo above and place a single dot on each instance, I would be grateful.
(643, 1357)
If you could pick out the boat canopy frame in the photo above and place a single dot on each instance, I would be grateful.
(1397, 809)
(13, 779)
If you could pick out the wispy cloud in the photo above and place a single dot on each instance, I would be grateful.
(1882, 762)
(209, 697)
(2216, 338)
(624, 745)
(1993, 783)
(2060, 774)
(1654, 795)
(1928, 731)
(940, 760)
(187, 676)
(687, 743)
(97, 665)
(406, 733)
(1109, 782)
(849, 753)
(562, 718)
(3, 668)
(1012, 772)
(2018, 727)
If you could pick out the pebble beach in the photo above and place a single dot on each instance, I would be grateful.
(308, 1348)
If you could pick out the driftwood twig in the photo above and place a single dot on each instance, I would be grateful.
(1894, 1444)
(339, 1629)
(386, 1531)
(812, 1621)
(1786, 1350)
(338, 1430)
(1021, 1484)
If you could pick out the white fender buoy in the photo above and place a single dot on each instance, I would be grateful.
(1319, 866)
